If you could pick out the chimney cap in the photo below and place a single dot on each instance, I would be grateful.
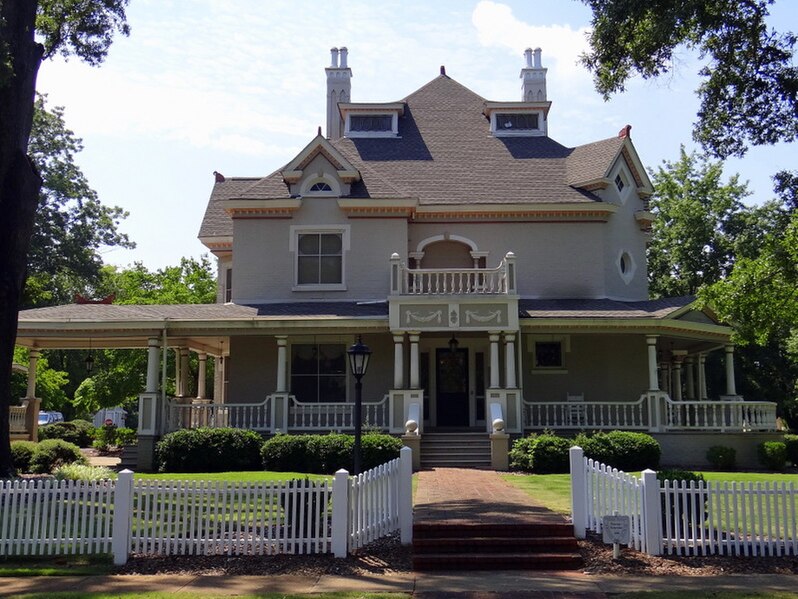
(443, 70)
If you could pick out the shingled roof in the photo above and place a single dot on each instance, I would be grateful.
(445, 155)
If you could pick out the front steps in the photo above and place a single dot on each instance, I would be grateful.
(498, 546)
(455, 450)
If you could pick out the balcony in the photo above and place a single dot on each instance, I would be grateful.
(453, 281)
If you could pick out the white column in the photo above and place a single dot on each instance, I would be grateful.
(731, 388)
(178, 373)
(653, 374)
(201, 371)
(153, 362)
(414, 359)
(183, 371)
(494, 360)
(33, 358)
(689, 366)
(509, 361)
(702, 376)
(398, 361)
(282, 363)
(677, 376)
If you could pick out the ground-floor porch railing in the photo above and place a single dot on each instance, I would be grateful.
(16, 419)
(336, 416)
(196, 414)
(653, 411)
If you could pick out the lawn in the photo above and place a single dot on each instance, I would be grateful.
(158, 595)
(255, 476)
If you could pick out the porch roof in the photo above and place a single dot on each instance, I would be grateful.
(603, 308)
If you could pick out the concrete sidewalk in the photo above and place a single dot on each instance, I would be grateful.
(488, 584)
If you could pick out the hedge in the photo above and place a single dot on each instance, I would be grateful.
(209, 450)
(324, 454)
(78, 432)
(52, 453)
(21, 454)
(791, 443)
(542, 454)
(772, 454)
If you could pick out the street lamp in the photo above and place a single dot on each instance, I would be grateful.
(359, 355)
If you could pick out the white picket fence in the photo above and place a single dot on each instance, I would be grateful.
(686, 518)
(46, 517)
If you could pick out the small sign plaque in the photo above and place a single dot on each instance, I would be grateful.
(616, 529)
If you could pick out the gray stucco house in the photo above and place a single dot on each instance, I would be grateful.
(498, 276)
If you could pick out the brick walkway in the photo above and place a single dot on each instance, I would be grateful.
(464, 495)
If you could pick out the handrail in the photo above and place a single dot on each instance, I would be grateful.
(252, 416)
(592, 415)
(336, 415)
(453, 281)
(16, 419)
(725, 415)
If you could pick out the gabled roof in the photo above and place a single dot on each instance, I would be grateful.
(445, 156)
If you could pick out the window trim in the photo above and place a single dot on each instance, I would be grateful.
(314, 340)
(293, 247)
(627, 276)
(627, 180)
(565, 348)
(335, 189)
(394, 132)
(516, 132)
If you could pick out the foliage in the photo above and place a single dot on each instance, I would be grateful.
(791, 444)
(624, 450)
(126, 436)
(677, 474)
(521, 452)
(208, 450)
(324, 454)
(104, 438)
(49, 382)
(77, 471)
(722, 457)
(772, 454)
(21, 454)
(748, 93)
(191, 282)
(78, 432)
(541, 454)
(72, 225)
(52, 453)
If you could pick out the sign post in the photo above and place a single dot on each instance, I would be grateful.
(616, 530)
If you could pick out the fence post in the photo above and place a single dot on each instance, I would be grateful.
(652, 513)
(340, 514)
(406, 495)
(123, 504)
(578, 491)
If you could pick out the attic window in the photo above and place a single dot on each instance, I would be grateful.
(522, 124)
(619, 182)
(320, 186)
(371, 122)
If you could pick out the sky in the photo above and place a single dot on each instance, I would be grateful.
(238, 86)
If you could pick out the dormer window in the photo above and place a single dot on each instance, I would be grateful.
(321, 186)
(517, 119)
(517, 122)
(370, 122)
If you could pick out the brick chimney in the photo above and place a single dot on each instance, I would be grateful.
(339, 89)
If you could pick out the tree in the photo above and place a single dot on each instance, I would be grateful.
(67, 27)
(749, 93)
(71, 223)
(700, 225)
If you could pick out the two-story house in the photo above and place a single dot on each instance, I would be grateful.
(498, 277)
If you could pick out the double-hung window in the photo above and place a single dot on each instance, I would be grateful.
(318, 372)
(320, 254)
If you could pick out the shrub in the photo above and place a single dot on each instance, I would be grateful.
(77, 432)
(21, 454)
(541, 454)
(791, 442)
(624, 450)
(83, 472)
(772, 454)
(209, 450)
(126, 436)
(105, 437)
(722, 457)
(324, 454)
(52, 453)
(688, 505)
(676, 474)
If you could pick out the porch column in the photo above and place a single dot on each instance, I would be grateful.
(689, 365)
(201, 371)
(178, 373)
(678, 356)
(702, 376)
(509, 361)
(153, 362)
(653, 373)
(414, 359)
(398, 360)
(494, 360)
(731, 388)
(33, 358)
(183, 371)
(282, 363)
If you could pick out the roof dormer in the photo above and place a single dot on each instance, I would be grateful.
(319, 169)
(371, 120)
(517, 119)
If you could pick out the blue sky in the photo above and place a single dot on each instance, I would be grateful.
(238, 87)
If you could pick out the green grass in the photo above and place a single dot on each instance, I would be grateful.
(252, 476)
(158, 595)
(56, 566)
(551, 490)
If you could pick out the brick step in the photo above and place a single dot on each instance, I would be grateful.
(498, 561)
(467, 545)
(437, 530)
(129, 458)
(480, 463)
(462, 453)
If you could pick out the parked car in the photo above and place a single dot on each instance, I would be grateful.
(50, 417)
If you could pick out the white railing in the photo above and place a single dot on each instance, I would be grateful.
(734, 415)
(252, 416)
(374, 504)
(741, 519)
(171, 517)
(49, 517)
(336, 416)
(592, 415)
(453, 281)
(16, 418)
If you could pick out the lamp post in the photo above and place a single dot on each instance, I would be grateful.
(359, 355)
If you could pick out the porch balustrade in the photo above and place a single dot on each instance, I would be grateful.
(336, 416)
(252, 416)
(16, 419)
(734, 415)
(589, 415)
(453, 281)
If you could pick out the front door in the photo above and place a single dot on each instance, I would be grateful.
(451, 388)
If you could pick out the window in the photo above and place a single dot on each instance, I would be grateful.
(619, 182)
(320, 259)
(371, 122)
(320, 186)
(318, 372)
(228, 285)
(548, 354)
(517, 121)
(626, 266)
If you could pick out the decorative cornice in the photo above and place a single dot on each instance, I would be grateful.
(371, 207)
(592, 211)
(278, 208)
